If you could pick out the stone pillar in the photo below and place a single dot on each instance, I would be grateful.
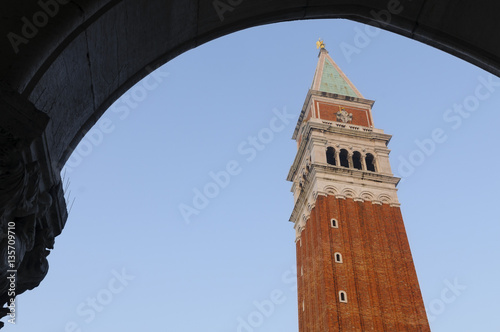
(318, 152)
(363, 162)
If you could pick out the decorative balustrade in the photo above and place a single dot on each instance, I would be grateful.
(347, 126)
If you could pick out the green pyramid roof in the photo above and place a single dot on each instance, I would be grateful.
(332, 81)
(329, 78)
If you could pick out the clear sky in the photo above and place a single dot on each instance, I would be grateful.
(128, 260)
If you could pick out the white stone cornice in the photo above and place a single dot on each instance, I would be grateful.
(353, 173)
(343, 183)
(348, 130)
(342, 100)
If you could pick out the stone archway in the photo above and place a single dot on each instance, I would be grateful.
(110, 45)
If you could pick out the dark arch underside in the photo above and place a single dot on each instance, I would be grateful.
(63, 63)
(110, 45)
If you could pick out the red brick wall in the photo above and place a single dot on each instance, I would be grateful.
(328, 112)
(377, 272)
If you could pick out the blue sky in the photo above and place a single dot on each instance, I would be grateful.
(127, 245)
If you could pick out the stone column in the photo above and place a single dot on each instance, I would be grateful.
(318, 152)
(363, 162)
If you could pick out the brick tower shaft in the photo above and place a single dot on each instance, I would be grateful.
(355, 269)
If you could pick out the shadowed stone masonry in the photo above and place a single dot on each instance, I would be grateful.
(63, 63)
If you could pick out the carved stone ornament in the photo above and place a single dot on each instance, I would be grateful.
(23, 206)
(343, 116)
(32, 206)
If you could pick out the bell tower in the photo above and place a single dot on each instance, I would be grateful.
(355, 269)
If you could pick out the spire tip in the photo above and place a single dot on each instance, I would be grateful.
(320, 44)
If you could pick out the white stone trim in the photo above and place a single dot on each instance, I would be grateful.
(327, 181)
(345, 296)
(340, 261)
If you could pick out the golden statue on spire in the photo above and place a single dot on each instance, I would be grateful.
(320, 44)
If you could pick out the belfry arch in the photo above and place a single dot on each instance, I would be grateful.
(79, 39)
